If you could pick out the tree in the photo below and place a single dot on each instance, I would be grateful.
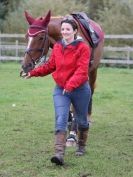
(94, 7)
(39, 8)
(3, 12)
(117, 17)
(6, 6)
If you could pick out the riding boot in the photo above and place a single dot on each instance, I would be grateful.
(60, 141)
(82, 139)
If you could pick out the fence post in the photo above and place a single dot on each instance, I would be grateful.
(0, 45)
(16, 49)
(128, 57)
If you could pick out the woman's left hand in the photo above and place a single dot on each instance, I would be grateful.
(65, 91)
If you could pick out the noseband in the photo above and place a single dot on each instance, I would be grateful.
(33, 62)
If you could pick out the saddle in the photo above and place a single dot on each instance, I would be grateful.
(87, 28)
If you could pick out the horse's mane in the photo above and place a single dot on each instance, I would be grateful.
(52, 17)
(56, 17)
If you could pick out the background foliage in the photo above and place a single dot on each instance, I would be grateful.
(115, 16)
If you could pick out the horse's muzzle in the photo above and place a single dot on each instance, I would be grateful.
(26, 69)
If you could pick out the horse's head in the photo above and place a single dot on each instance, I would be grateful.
(37, 42)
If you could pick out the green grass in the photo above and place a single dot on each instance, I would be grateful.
(27, 130)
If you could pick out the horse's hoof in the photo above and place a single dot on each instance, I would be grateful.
(71, 140)
(71, 143)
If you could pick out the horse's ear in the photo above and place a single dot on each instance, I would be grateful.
(47, 18)
(29, 18)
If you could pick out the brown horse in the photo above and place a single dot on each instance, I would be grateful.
(43, 33)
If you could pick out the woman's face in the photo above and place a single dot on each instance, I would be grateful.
(67, 32)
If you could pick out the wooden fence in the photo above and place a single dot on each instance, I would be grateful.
(12, 47)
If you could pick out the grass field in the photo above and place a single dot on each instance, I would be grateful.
(27, 127)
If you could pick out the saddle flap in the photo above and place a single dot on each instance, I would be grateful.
(88, 30)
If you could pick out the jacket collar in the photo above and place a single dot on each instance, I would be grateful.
(74, 43)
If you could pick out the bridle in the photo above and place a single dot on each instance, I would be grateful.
(35, 62)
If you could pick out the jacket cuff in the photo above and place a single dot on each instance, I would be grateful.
(31, 73)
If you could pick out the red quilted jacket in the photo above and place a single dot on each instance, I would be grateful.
(68, 65)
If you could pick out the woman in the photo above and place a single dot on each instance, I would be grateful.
(68, 64)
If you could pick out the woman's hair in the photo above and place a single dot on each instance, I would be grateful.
(71, 22)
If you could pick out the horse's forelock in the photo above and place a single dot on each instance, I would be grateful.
(40, 18)
(40, 21)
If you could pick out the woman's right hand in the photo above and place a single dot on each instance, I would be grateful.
(27, 76)
(65, 91)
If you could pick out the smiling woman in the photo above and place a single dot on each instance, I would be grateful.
(69, 30)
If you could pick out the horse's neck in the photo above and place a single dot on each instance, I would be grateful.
(54, 30)
(52, 41)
